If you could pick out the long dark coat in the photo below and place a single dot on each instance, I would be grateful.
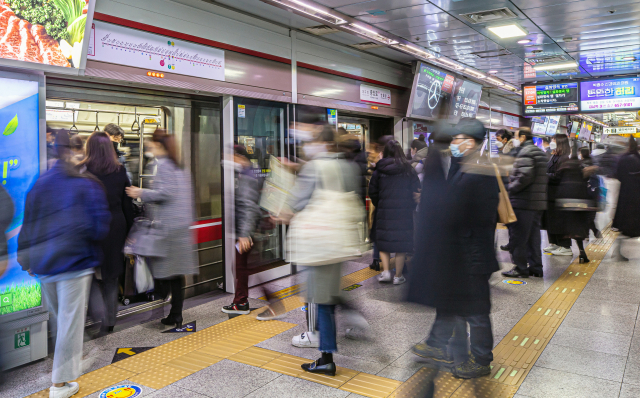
(552, 222)
(455, 252)
(573, 185)
(391, 191)
(627, 218)
(121, 210)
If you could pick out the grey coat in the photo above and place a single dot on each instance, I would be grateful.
(171, 203)
(323, 282)
(247, 196)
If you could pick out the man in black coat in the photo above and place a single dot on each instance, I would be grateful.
(455, 250)
(528, 194)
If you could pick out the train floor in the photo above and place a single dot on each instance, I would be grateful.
(570, 334)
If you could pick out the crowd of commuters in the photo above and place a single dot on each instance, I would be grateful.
(442, 196)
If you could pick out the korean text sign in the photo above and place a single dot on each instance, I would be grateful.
(610, 94)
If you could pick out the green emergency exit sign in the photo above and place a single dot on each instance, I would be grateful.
(22, 338)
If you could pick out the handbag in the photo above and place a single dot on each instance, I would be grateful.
(142, 275)
(326, 231)
(147, 238)
(506, 215)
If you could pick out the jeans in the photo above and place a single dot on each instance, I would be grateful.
(327, 328)
(67, 301)
(525, 243)
(481, 337)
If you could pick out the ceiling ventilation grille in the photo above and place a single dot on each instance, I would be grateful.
(320, 30)
(498, 14)
(366, 46)
(492, 53)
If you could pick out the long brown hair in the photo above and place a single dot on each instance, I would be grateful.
(101, 157)
(562, 144)
(168, 142)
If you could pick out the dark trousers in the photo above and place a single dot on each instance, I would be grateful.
(526, 241)
(559, 240)
(175, 287)
(242, 278)
(110, 296)
(480, 335)
(327, 328)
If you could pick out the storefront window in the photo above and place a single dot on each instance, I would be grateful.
(260, 127)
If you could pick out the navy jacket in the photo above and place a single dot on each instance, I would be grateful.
(65, 219)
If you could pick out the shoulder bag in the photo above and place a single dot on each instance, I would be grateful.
(506, 215)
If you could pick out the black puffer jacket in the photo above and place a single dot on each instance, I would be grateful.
(391, 191)
(528, 180)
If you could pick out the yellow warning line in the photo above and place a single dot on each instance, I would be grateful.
(518, 351)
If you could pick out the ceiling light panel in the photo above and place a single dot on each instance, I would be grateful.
(507, 31)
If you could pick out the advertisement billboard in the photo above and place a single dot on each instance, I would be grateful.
(610, 94)
(20, 165)
(47, 35)
(549, 99)
(465, 100)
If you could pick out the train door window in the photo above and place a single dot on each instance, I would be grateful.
(205, 161)
(260, 128)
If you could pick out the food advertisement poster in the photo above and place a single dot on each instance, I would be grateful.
(45, 32)
(124, 46)
(20, 167)
(610, 94)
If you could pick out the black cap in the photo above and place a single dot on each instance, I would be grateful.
(472, 127)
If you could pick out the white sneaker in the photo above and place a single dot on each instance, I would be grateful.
(563, 251)
(385, 277)
(306, 340)
(66, 391)
(399, 280)
(551, 248)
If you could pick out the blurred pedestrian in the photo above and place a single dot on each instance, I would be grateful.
(528, 193)
(419, 150)
(66, 216)
(393, 190)
(455, 251)
(559, 245)
(101, 161)
(572, 196)
(171, 200)
(323, 281)
(627, 216)
(506, 142)
(247, 215)
(374, 158)
(589, 170)
(77, 149)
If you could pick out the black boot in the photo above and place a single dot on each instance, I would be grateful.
(375, 265)
(172, 319)
(583, 259)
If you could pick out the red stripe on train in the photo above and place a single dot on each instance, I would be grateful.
(207, 230)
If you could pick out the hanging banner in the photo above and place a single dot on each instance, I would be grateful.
(494, 153)
(332, 117)
(375, 95)
(124, 46)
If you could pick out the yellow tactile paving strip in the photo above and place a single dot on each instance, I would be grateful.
(516, 354)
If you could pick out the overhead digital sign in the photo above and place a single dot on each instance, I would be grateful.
(548, 99)
(432, 88)
(465, 101)
(610, 94)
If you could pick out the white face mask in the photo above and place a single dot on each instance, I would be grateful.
(553, 145)
(499, 144)
(516, 143)
(312, 149)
